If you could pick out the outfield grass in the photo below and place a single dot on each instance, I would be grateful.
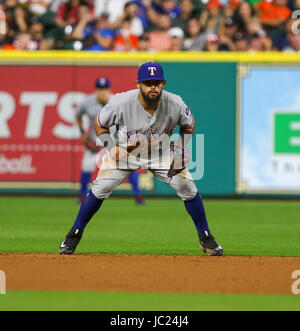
(97, 301)
(266, 228)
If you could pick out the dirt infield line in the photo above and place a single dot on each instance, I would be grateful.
(149, 273)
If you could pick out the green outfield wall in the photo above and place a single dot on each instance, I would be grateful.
(209, 90)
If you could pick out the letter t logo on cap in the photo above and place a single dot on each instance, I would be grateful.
(152, 69)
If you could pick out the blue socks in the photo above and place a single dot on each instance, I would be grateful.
(196, 210)
(89, 206)
(134, 181)
(84, 181)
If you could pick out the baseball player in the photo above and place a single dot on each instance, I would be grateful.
(91, 106)
(145, 117)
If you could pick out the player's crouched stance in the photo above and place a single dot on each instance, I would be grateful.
(148, 110)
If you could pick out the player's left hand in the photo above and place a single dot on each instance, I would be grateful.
(181, 158)
(118, 153)
(90, 144)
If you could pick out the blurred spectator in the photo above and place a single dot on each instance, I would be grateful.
(232, 3)
(37, 34)
(293, 39)
(168, 7)
(5, 39)
(211, 17)
(195, 39)
(259, 40)
(130, 15)
(243, 14)
(273, 14)
(25, 42)
(199, 5)
(187, 8)
(36, 7)
(97, 37)
(288, 41)
(2, 17)
(67, 13)
(15, 16)
(54, 6)
(154, 8)
(177, 37)
(160, 39)
(66, 37)
(113, 7)
(145, 12)
(227, 35)
(212, 43)
(228, 7)
(149, 25)
(70, 14)
(295, 4)
(48, 18)
(241, 42)
(144, 43)
(125, 40)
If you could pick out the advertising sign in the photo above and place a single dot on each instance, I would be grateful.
(39, 138)
(270, 131)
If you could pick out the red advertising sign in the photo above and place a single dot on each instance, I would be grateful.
(39, 138)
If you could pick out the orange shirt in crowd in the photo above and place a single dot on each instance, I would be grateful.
(131, 43)
(270, 12)
(8, 48)
(212, 4)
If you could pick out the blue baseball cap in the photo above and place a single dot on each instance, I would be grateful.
(102, 82)
(150, 71)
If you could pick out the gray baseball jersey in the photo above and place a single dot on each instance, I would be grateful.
(132, 121)
(91, 107)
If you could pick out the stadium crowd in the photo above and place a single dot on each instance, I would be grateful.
(149, 25)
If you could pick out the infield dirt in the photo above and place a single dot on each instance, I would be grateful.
(149, 273)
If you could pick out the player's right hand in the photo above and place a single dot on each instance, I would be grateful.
(85, 137)
(118, 153)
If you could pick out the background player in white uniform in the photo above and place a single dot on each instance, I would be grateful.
(91, 106)
(145, 119)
